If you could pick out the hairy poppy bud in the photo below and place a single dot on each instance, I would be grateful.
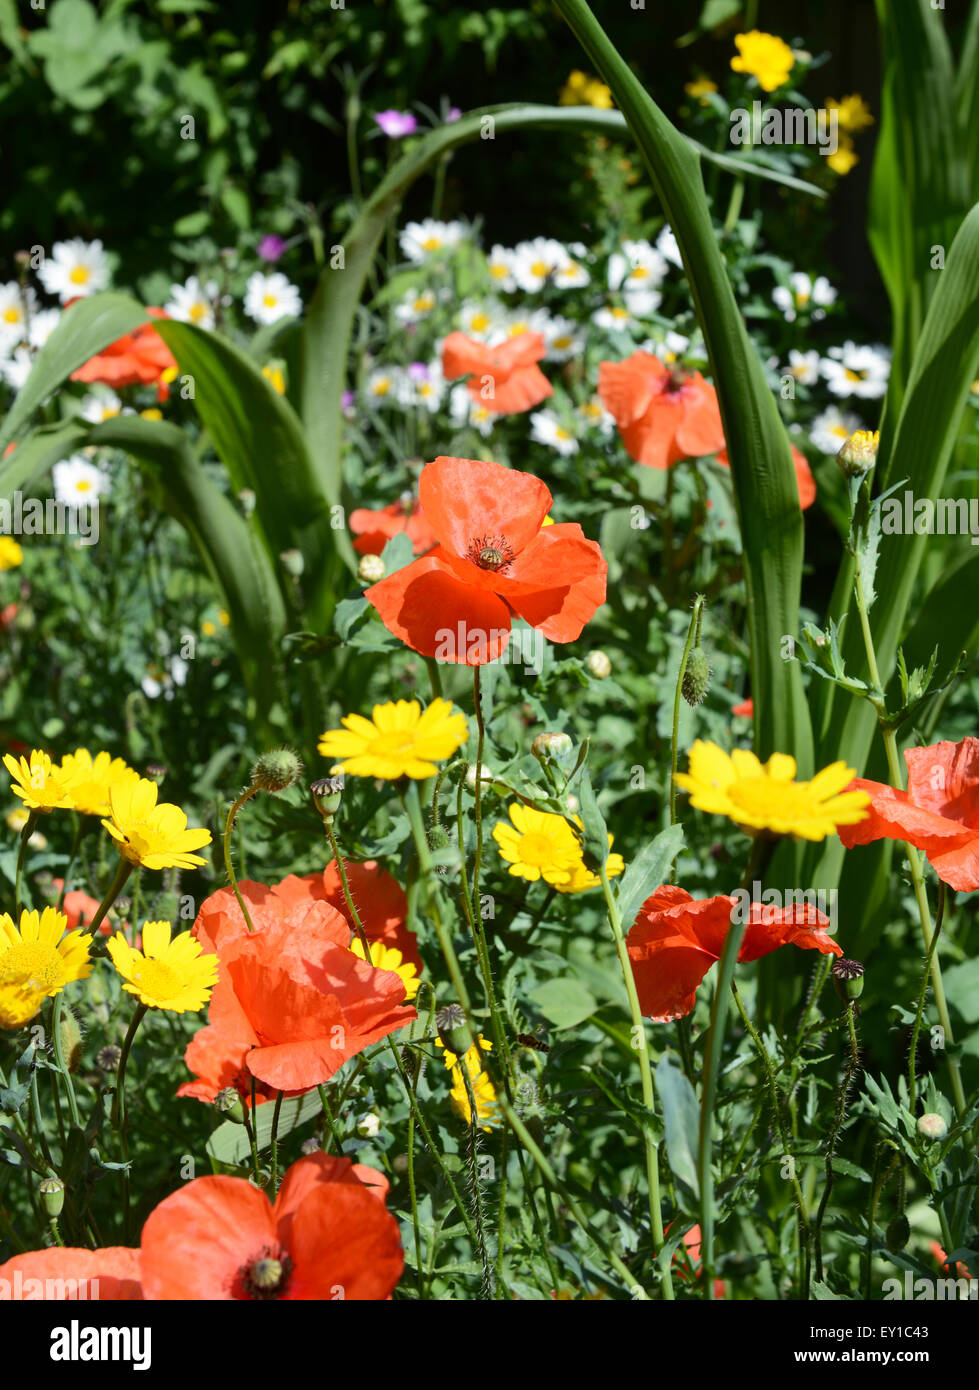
(898, 1234)
(370, 569)
(696, 678)
(52, 1193)
(327, 793)
(598, 665)
(859, 454)
(848, 978)
(932, 1127)
(70, 1037)
(228, 1103)
(275, 771)
(453, 1029)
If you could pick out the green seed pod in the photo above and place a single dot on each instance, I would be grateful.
(453, 1030)
(898, 1234)
(696, 678)
(327, 793)
(275, 771)
(228, 1103)
(848, 978)
(52, 1194)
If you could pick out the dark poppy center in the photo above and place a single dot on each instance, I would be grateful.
(677, 379)
(265, 1277)
(491, 553)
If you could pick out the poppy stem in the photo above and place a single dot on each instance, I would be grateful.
(852, 1066)
(641, 1044)
(919, 1011)
(25, 836)
(123, 871)
(693, 635)
(229, 825)
(118, 1115)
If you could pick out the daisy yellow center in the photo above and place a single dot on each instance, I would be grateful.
(83, 485)
(393, 742)
(431, 243)
(802, 296)
(537, 848)
(620, 313)
(80, 275)
(381, 388)
(561, 433)
(199, 311)
(35, 964)
(759, 796)
(562, 342)
(592, 410)
(851, 375)
(498, 272)
(420, 305)
(157, 978)
(638, 272)
(425, 389)
(539, 268)
(479, 322)
(269, 300)
(840, 431)
(11, 315)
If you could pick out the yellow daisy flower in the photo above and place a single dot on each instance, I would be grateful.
(845, 157)
(11, 554)
(765, 796)
(541, 845)
(852, 113)
(39, 784)
(90, 779)
(484, 1092)
(37, 960)
(582, 90)
(764, 56)
(167, 973)
(384, 957)
(274, 375)
(700, 87)
(400, 740)
(155, 836)
(582, 879)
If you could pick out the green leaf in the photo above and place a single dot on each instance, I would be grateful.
(229, 1142)
(594, 840)
(83, 330)
(761, 462)
(648, 870)
(681, 1119)
(564, 1003)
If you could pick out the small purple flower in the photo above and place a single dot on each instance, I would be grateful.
(452, 114)
(418, 371)
(347, 400)
(270, 248)
(396, 123)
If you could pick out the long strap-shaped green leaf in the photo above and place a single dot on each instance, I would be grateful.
(761, 461)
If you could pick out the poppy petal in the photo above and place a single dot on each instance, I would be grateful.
(345, 1246)
(196, 1242)
(468, 499)
(110, 1274)
(432, 611)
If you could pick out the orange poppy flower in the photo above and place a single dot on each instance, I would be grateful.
(7, 616)
(373, 529)
(327, 1237)
(746, 709)
(676, 939)
(503, 379)
(292, 1002)
(495, 558)
(381, 902)
(686, 1262)
(139, 358)
(106, 1275)
(663, 414)
(938, 814)
(803, 475)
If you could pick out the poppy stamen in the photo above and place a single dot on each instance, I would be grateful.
(267, 1276)
(491, 553)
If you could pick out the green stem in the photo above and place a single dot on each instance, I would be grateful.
(852, 1065)
(118, 1118)
(645, 1072)
(122, 873)
(25, 836)
(76, 841)
(59, 1055)
(229, 825)
(922, 995)
(275, 1142)
(693, 631)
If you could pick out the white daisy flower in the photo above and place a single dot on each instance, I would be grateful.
(547, 429)
(422, 385)
(159, 682)
(480, 321)
(74, 269)
(78, 481)
(499, 263)
(832, 428)
(636, 271)
(545, 261)
(384, 386)
(564, 339)
(804, 294)
(16, 368)
(13, 319)
(852, 370)
(463, 410)
(415, 306)
(419, 240)
(194, 303)
(42, 325)
(572, 275)
(669, 348)
(269, 298)
(613, 318)
(666, 245)
(99, 406)
(804, 366)
(595, 416)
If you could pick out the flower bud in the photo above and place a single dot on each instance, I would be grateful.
(859, 454)
(558, 746)
(70, 1038)
(598, 665)
(438, 837)
(52, 1193)
(228, 1103)
(898, 1234)
(485, 775)
(932, 1127)
(310, 1146)
(371, 569)
(247, 501)
(848, 978)
(275, 771)
(293, 563)
(155, 772)
(696, 678)
(327, 793)
(453, 1029)
(108, 1058)
(369, 1125)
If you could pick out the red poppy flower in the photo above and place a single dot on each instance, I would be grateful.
(494, 559)
(80, 908)
(112, 1273)
(664, 414)
(686, 1262)
(7, 616)
(373, 529)
(327, 1237)
(139, 358)
(380, 901)
(676, 939)
(292, 1002)
(803, 475)
(746, 709)
(938, 814)
(503, 379)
